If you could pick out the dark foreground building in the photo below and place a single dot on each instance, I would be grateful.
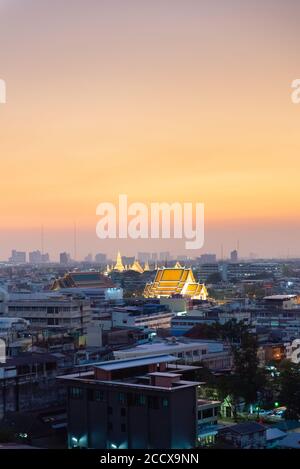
(132, 403)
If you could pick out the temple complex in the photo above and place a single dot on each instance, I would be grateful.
(175, 281)
(119, 267)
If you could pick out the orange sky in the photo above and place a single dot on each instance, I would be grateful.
(163, 101)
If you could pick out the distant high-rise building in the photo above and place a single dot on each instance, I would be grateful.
(182, 257)
(45, 258)
(144, 256)
(64, 258)
(128, 260)
(154, 257)
(234, 256)
(17, 257)
(207, 259)
(164, 256)
(35, 257)
(100, 258)
(88, 258)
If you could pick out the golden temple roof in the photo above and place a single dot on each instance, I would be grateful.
(175, 281)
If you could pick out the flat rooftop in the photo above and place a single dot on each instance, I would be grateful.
(280, 297)
(132, 362)
(202, 402)
(164, 374)
(182, 345)
(41, 296)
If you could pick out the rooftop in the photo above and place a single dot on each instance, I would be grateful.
(291, 440)
(165, 374)
(182, 344)
(29, 358)
(280, 297)
(42, 296)
(133, 362)
(245, 428)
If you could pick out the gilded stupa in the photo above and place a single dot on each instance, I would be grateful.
(136, 266)
(119, 267)
(119, 264)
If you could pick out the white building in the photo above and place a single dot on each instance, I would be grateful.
(8, 324)
(51, 310)
(211, 353)
(183, 323)
(17, 257)
(131, 316)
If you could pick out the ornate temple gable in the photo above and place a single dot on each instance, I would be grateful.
(175, 281)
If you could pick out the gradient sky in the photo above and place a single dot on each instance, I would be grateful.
(163, 100)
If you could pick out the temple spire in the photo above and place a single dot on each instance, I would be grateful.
(119, 264)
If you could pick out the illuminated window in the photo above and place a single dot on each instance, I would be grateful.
(165, 402)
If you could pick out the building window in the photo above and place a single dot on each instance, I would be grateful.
(165, 402)
(138, 400)
(110, 426)
(109, 410)
(123, 412)
(123, 428)
(99, 396)
(142, 400)
(76, 393)
(122, 397)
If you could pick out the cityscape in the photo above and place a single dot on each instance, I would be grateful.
(99, 350)
(149, 231)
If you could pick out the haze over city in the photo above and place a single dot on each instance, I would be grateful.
(189, 103)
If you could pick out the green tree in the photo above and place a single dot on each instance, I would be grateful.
(289, 389)
(250, 379)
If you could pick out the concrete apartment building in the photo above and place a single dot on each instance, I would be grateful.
(29, 381)
(154, 316)
(51, 310)
(132, 403)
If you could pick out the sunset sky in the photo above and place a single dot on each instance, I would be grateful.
(162, 100)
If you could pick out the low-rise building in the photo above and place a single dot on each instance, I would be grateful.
(211, 353)
(28, 381)
(208, 413)
(250, 435)
(154, 316)
(51, 310)
(132, 403)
